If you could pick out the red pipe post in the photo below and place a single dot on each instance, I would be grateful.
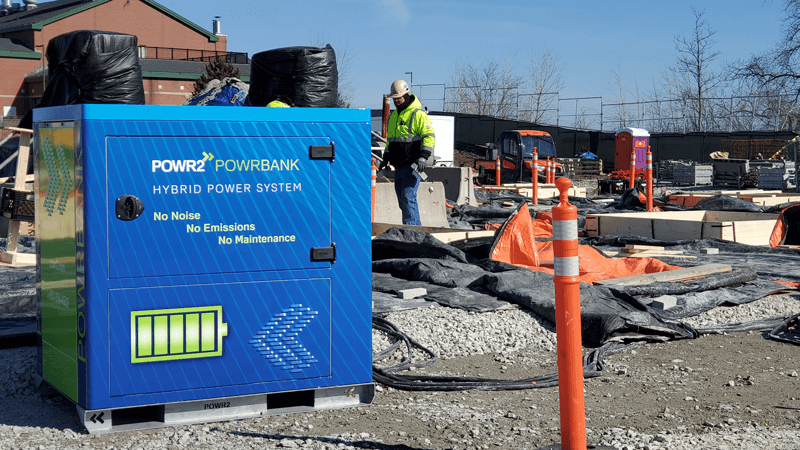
(497, 170)
(535, 180)
(374, 186)
(649, 178)
(633, 169)
(386, 113)
(568, 320)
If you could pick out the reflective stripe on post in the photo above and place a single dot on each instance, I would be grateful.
(568, 320)
(497, 173)
(374, 186)
(633, 169)
(535, 169)
(649, 179)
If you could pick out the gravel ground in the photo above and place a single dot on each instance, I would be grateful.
(727, 391)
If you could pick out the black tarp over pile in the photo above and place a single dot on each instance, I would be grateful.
(91, 67)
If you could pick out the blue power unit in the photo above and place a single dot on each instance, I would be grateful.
(194, 253)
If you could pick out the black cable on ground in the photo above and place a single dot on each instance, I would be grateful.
(593, 366)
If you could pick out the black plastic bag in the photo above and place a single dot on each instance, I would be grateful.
(307, 75)
(91, 67)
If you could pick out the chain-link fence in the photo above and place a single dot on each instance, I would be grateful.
(770, 112)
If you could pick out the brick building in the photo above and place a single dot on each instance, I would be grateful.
(173, 51)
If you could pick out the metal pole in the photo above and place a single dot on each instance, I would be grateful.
(601, 113)
(730, 118)
(796, 172)
(535, 174)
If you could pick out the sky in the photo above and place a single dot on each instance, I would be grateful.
(383, 40)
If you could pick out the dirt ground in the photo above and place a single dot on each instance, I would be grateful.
(706, 385)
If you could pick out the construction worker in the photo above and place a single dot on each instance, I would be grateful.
(280, 101)
(410, 143)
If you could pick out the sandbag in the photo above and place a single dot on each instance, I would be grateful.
(307, 75)
(91, 67)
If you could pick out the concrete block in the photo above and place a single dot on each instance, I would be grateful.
(430, 198)
(711, 251)
(664, 302)
(406, 294)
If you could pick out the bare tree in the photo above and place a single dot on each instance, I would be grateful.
(545, 81)
(490, 90)
(776, 71)
(697, 80)
(777, 68)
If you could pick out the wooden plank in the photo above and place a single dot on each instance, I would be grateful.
(670, 275)
(20, 130)
(443, 234)
(380, 228)
(643, 247)
(16, 259)
(459, 235)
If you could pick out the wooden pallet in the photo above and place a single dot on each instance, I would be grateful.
(11, 257)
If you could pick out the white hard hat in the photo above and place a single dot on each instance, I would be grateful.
(399, 89)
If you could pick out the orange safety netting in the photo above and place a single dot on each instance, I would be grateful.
(516, 245)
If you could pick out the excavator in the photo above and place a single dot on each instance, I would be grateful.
(515, 148)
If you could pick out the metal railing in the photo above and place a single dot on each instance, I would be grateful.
(188, 54)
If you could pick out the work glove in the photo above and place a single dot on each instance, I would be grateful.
(421, 164)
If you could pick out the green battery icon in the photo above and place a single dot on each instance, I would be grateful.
(181, 333)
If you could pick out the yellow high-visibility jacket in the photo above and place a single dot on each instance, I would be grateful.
(409, 135)
(277, 104)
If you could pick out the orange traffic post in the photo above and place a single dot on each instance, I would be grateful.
(374, 186)
(497, 170)
(633, 169)
(568, 320)
(535, 169)
(649, 179)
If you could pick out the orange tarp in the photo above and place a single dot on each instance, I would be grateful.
(517, 246)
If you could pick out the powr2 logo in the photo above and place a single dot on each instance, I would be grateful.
(181, 165)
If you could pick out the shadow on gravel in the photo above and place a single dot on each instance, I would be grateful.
(324, 440)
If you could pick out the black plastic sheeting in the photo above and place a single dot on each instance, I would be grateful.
(482, 285)
(307, 75)
(91, 67)
(788, 331)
